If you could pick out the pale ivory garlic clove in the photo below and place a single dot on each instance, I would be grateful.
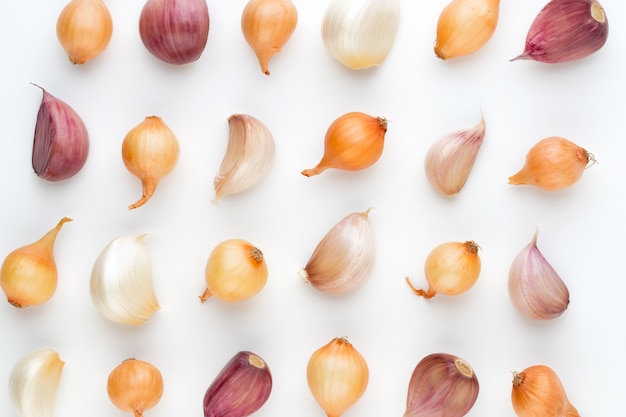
(360, 33)
(121, 282)
(344, 258)
(248, 157)
(451, 158)
(535, 288)
(34, 381)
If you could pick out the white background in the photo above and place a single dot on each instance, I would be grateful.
(582, 232)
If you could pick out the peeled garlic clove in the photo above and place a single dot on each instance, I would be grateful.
(535, 288)
(537, 391)
(465, 26)
(344, 258)
(235, 271)
(121, 282)
(84, 29)
(354, 141)
(451, 269)
(359, 34)
(337, 375)
(441, 385)
(240, 389)
(34, 381)
(28, 275)
(135, 386)
(249, 155)
(451, 158)
(150, 152)
(552, 164)
(566, 30)
(267, 25)
(175, 31)
(61, 142)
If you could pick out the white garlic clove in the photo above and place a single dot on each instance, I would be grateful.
(360, 33)
(248, 157)
(535, 288)
(344, 258)
(121, 282)
(34, 381)
(451, 158)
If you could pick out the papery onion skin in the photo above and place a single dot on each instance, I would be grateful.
(267, 25)
(535, 288)
(537, 391)
(241, 388)
(451, 269)
(553, 163)
(61, 142)
(135, 386)
(344, 258)
(28, 275)
(175, 31)
(84, 29)
(566, 30)
(235, 271)
(360, 34)
(337, 375)
(465, 26)
(354, 141)
(150, 152)
(441, 385)
(248, 157)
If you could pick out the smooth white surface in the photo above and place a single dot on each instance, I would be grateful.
(582, 232)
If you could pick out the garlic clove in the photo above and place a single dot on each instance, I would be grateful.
(240, 389)
(354, 141)
(465, 26)
(566, 30)
(150, 152)
(248, 157)
(451, 158)
(34, 381)
(135, 386)
(337, 375)
(344, 258)
(121, 284)
(28, 275)
(535, 288)
(267, 25)
(441, 385)
(552, 164)
(360, 34)
(61, 142)
(175, 31)
(537, 391)
(451, 268)
(84, 29)
(235, 271)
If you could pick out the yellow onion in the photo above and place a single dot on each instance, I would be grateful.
(84, 29)
(353, 142)
(537, 392)
(150, 152)
(235, 271)
(465, 26)
(553, 163)
(451, 269)
(135, 386)
(267, 25)
(337, 375)
(28, 275)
